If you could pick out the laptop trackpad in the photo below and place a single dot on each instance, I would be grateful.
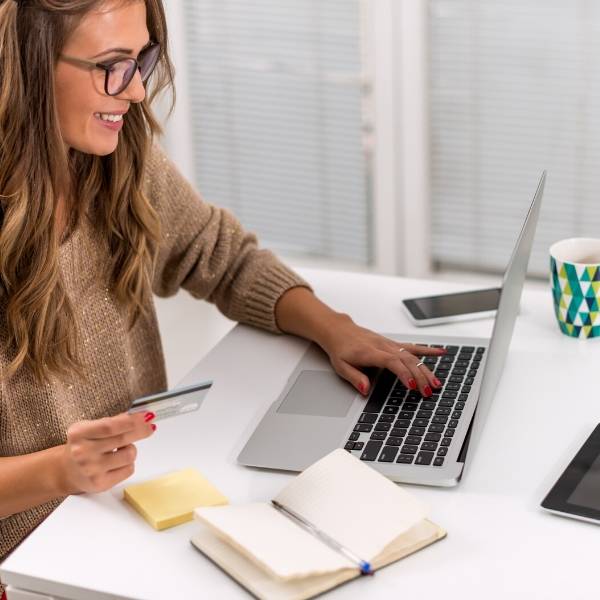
(318, 393)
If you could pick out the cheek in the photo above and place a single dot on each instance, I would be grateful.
(76, 100)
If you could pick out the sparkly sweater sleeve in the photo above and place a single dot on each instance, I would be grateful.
(205, 250)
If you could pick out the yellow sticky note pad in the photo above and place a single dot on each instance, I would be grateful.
(170, 500)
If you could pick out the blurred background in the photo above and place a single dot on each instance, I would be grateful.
(402, 137)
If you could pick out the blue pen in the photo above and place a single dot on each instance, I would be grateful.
(363, 565)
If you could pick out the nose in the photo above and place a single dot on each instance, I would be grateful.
(135, 91)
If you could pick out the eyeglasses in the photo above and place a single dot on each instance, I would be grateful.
(120, 72)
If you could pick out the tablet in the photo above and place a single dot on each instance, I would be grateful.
(577, 492)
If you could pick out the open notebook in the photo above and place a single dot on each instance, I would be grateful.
(276, 558)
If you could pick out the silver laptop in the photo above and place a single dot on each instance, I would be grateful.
(399, 433)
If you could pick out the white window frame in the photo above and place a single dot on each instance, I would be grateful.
(395, 34)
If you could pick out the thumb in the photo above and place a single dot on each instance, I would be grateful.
(357, 378)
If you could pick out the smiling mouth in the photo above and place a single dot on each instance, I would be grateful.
(110, 117)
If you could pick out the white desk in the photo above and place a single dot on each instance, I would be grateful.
(499, 545)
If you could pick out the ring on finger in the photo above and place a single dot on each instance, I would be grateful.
(401, 350)
(420, 364)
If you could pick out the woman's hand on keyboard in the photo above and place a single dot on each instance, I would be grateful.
(351, 347)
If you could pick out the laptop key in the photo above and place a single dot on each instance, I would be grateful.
(459, 406)
(394, 441)
(358, 445)
(402, 422)
(439, 420)
(353, 436)
(394, 401)
(453, 386)
(417, 431)
(447, 403)
(451, 349)
(462, 363)
(480, 350)
(424, 414)
(405, 459)
(427, 446)
(398, 431)
(413, 439)
(456, 379)
(371, 450)
(466, 388)
(363, 427)
(386, 419)
(388, 454)
(382, 427)
(446, 441)
(457, 414)
(438, 461)
(469, 381)
(459, 370)
(349, 446)
(424, 458)
(410, 406)
(378, 435)
(409, 449)
(436, 428)
(367, 418)
(453, 423)
(421, 422)
(406, 415)
(433, 437)
(442, 451)
(390, 410)
(382, 388)
(442, 411)
(449, 432)
(427, 405)
(449, 395)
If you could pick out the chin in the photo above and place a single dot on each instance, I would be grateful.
(96, 148)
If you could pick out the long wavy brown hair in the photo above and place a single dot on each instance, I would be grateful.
(36, 169)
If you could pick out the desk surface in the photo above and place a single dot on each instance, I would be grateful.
(499, 544)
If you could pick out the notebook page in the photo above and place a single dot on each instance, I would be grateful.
(277, 543)
(352, 503)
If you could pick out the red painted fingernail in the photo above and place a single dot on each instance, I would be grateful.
(153, 426)
(361, 388)
(427, 391)
(412, 384)
(437, 382)
(149, 416)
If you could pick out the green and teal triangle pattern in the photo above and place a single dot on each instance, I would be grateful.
(576, 294)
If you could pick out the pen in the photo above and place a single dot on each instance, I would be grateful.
(363, 565)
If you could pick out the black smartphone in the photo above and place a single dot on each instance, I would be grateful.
(446, 308)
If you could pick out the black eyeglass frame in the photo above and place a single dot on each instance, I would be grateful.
(107, 66)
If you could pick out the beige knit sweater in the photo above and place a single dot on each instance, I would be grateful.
(203, 250)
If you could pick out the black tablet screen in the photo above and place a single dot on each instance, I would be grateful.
(587, 492)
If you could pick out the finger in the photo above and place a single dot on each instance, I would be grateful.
(423, 376)
(141, 432)
(117, 475)
(119, 458)
(105, 427)
(353, 375)
(422, 350)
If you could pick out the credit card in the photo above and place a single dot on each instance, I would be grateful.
(174, 402)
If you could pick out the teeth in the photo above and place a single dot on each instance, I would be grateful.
(109, 117)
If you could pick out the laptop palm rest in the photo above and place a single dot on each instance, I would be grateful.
(310, 418)
(318, 393)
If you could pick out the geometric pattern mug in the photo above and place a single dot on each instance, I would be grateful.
(575, 280)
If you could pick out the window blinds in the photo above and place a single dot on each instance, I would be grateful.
(514, 89)
(276, 100)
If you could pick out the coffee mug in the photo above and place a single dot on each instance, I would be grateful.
(575, 280)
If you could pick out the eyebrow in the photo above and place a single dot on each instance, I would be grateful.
(119, 50)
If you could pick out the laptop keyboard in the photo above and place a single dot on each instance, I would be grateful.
(400, 425)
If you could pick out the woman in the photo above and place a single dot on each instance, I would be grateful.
(95, 219)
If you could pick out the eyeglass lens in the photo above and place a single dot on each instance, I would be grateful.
(123, 71)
